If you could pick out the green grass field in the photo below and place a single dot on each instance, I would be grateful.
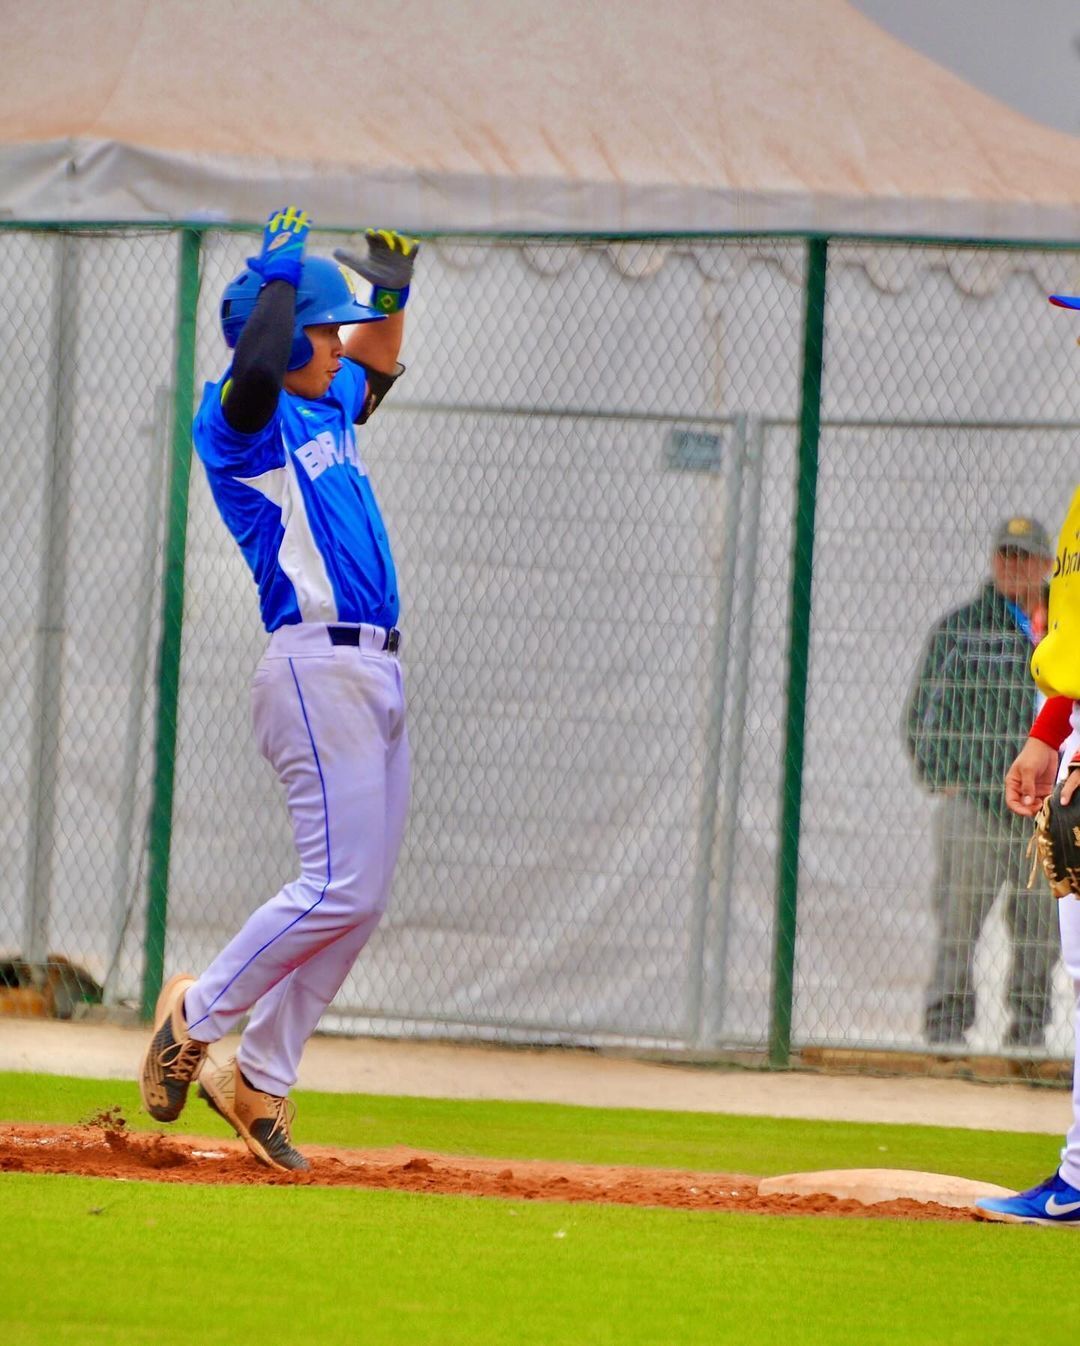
(93, 1261)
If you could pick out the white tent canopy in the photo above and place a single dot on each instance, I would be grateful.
(513, 115)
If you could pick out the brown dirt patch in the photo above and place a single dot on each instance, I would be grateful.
(104, 1147)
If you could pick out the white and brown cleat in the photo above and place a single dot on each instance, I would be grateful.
(173, 1059)
(262, 1121)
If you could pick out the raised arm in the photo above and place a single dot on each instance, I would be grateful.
(376, 345)
(262, 349)
(262, 353)
(385, 260)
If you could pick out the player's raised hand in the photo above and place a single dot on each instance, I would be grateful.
(386, 262)
(284, 240)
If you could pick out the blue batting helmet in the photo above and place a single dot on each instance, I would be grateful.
(324, 295)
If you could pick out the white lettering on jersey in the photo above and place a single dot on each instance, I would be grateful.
(324, 451)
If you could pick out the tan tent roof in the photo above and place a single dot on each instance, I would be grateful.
(533, 115)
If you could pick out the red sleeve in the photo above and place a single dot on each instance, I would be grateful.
(1054, 722)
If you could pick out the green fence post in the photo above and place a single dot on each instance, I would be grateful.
(787, 870)
(172, 614)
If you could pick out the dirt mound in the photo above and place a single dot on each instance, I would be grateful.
(105, 1147)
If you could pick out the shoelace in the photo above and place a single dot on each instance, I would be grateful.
(284, 1112)
(182, 1059)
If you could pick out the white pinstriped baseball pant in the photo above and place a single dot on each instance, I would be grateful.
(331, 721)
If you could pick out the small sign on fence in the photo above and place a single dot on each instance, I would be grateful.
(693, 450)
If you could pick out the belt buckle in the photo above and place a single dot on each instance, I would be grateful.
(393, 640)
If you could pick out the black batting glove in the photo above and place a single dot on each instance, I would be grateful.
(386, 263)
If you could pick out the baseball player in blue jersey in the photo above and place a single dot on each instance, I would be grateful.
(276, 437)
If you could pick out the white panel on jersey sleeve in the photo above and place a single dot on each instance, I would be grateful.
(298, 555)
(271, 484)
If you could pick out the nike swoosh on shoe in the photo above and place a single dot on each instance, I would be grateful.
(1055, 1207)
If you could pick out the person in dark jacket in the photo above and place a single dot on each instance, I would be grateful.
(967, 717)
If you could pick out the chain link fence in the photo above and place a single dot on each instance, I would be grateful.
(662, 611)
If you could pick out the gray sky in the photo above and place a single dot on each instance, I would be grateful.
(1024, 52)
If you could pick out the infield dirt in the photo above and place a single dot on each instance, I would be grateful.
(104, 1147)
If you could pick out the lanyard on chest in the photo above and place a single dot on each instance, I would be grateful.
(1023, 622)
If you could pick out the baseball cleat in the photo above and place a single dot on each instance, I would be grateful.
(262, 1121)
(173, 1059)
(1051, 1202)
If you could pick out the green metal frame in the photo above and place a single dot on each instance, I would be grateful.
(798, 668)
(172, 615)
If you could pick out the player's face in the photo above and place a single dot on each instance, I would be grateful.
(313, 379)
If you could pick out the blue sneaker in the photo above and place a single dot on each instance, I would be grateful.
(1052, 1202)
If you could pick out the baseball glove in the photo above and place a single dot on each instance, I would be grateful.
(1055, 844)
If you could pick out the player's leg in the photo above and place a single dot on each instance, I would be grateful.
(326, 723)
(253, 1098)
(1068, 910)
(968, 872)
(284, 1019)
(1057, 1200)
(250, 1093)
(324, 745)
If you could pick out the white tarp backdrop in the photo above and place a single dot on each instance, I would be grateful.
(522, 115)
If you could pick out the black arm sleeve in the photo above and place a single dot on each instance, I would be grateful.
(379, 384)
(262, 354)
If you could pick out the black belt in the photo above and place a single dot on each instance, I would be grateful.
(350, 635)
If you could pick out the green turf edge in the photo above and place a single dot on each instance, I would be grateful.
(514, 1130)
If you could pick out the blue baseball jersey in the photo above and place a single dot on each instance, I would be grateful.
(296, 497)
